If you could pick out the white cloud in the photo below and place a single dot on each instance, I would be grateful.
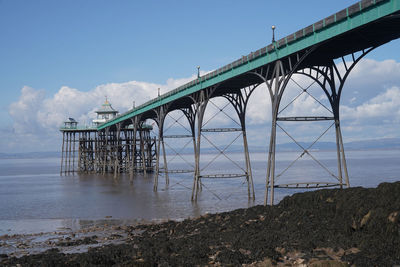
(384, 107)
(381, 71)
(368, 79)
(371, 97)
(25, 111)
(38, 116)
(259, 107)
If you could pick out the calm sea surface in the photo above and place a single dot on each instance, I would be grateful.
(34, 197)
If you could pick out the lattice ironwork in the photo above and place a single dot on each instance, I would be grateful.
(221, 130)
(309, 185)
(224, 175)
(308, 118)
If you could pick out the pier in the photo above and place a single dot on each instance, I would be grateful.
(116, 150)
(325, 52)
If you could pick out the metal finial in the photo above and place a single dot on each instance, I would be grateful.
(158, 91)
(273, 33)
(198, 71)
(133, 104)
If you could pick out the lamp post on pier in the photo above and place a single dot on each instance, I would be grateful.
(273, 33)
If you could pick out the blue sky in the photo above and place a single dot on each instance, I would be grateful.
(46, 45)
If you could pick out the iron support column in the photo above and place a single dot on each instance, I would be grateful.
(117, 150)
(62, 153)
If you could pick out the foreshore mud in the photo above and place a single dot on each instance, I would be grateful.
(330, 227)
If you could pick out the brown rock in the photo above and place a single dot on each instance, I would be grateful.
(299, 261)
(330, 200)
(281, 250)
(365, 219)
(393, 217)
(244, 251)
(354, 225)
(352, 251)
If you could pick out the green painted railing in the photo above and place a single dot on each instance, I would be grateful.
(94, 128)
(77, 128)
(345, 20)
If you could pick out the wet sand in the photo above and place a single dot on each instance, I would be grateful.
(331, 227)
(74, 239)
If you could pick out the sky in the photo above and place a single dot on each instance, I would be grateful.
(59, 59)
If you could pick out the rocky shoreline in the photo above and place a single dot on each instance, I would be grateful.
(330, 227)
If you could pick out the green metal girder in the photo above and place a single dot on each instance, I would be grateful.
(377, 11)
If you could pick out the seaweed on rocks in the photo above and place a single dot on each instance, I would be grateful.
(339, 227)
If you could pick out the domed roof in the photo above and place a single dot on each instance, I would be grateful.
(107, 108)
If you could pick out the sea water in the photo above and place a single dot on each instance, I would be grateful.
(35, 197)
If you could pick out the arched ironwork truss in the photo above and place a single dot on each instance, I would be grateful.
(238, 99)
(332, 84)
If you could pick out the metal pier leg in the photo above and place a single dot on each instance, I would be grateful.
(201, 107)
(195, 167)
(62, 153)
(159, 119)
(128, 165)
(339, 162)
(276, 82)
(130, 149)
(270, 155)
(157, 163)
(66, 154)
(73, 155)
(96, 156)
(134, 122)
(165, 162)
(86, 156)
(270, 180)
(88, 164)
(80, 151)
(95, 153)
(276, 88)
(124, 155)
(93, 137)
(100, 146)
(105, 149)
(250, 184)
(69, 152)
(143, 153)
(116, 149)
(272, 173)
(346, 174)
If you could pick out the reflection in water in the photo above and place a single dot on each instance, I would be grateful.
(34, 197)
